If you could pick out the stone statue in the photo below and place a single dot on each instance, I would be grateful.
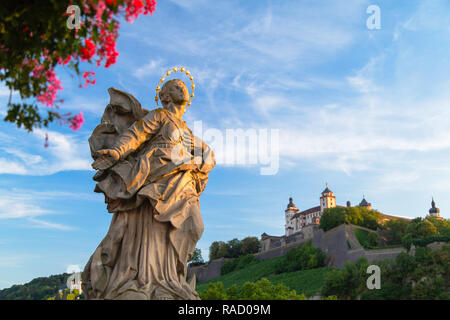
(152, 171)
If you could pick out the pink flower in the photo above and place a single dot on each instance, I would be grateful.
(87, 76)
(49, 96)
(88, 51)
(67, 60)
(100, 9)
(76, 121)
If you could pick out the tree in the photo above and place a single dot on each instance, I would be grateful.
(373, 240)
(442, 225)
(214, 249)
(250, 245)
(335, 284)
(215, 291)
(404, 264)
(305, 257)
(347, 283)
(223, 250)
(361, 216)
(419, 228)
(196, 258)
(397, 229)
(38, 36)
(234, 248)
(40, 288)
(425, 275)
(260, 290)
(238, 263)
(331, 218)
(407, 241)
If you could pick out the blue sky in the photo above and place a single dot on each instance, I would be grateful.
(367, 111)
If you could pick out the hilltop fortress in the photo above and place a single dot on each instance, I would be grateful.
(339, 244)
(296, 220)
(301, 225)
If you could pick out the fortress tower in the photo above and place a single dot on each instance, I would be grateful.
(327, 200)
(366, 204)
(289, 213)
(434, 212)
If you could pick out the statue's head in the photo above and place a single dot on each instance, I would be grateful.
(174, 93)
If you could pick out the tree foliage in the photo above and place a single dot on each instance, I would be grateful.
(196, 259)
(421, 232)
(260, 290)
(302, 258)
(214, 250)
(238, 263)
(250, 245)
(426, 275)
(361, 216)
(37, 36)
(37, 289)
(396, 229)
(233, 248)
(373, 240)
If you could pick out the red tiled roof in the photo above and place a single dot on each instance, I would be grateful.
(310, 210)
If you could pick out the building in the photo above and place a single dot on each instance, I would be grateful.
(296, 220)
(434, 212)
(366, 204)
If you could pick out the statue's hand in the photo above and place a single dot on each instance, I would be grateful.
(107, 159)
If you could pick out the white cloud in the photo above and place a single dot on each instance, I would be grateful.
(268, 104)
(151, 68)
(37, 223)
(28, 159)
(19, 206)
(6, 166)
(26, 205)
(65, 152)
(68, 152)
(188, 4)
(13, 261)
(78, 103)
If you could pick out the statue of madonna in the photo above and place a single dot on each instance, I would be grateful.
(152, 171)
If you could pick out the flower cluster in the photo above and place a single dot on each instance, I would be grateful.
(49, 90)
(95, 40)
(86, 76)
(106, 26)
(76, 121)
(65, 61)
(135, 7)
(54, 85)
(88, 51)
(107, 40)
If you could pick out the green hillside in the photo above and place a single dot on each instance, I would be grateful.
(308, 282)
(37, 289)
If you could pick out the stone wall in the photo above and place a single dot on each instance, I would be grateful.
(335, 244)
(340, 245)
(279, 251)
(433, 246)
(208, 271)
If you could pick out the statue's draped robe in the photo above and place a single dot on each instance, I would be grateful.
(155, 201)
